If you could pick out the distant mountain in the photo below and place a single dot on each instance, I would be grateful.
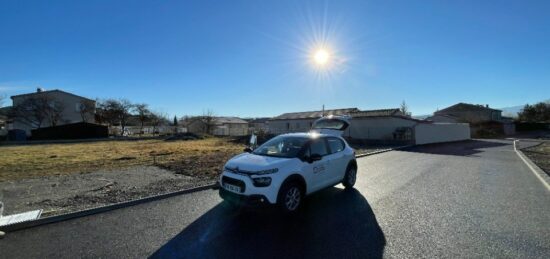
(514, 110)
(511, 111)
(421, 117)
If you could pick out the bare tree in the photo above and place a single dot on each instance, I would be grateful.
(87, 109)
(143, 113)
(102, 112)
(115, 112)
(405, 109)
(55, 112)
(158, 119)
(37, 110)
(208, 118)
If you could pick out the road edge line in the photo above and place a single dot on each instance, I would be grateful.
(97, 210)
(539, 173)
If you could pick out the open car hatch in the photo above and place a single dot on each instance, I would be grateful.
(334, 125)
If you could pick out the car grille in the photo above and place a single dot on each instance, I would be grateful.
(233, 181)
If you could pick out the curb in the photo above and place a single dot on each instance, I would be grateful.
(87, 212)
(539, 173)
(382, 151)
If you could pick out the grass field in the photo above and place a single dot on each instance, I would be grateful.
(202, 158)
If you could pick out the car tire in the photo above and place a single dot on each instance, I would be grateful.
(290, 198)
(350, 178)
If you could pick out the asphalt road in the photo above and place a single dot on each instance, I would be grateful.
(469, 200)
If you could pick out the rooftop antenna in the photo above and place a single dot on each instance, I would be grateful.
(323, 111)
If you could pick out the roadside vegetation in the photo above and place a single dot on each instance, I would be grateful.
(540, 155)
(197, 158)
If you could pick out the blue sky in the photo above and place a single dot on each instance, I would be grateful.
(253, 58)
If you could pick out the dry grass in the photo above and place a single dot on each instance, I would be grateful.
(26, 161)
(540, 155)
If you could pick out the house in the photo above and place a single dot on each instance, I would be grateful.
(49, 108)
(465, 112)
(219, 126)
(301, 121)
(258, 125)
(484, 121)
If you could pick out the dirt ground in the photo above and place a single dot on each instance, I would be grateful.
(540, 155)
(71, 192)
(39, 160)
(61, 178)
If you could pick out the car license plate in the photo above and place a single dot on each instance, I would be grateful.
(232, 188)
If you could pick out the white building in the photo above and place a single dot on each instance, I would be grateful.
(385, 125)
(301, 121)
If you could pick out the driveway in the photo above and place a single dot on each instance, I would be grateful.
(468, 199)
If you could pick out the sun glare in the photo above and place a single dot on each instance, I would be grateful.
(321, 57)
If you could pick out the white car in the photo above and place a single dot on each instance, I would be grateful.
(288, 167)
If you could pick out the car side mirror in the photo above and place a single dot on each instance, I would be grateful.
(248, 150)
(314, 157)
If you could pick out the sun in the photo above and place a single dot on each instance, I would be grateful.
(321, 57)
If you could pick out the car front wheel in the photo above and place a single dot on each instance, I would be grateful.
(290, 197)
(350, 177)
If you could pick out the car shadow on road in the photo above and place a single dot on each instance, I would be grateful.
(333, 223)
(460, 148)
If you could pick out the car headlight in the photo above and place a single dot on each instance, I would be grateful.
(262, 181)
(269, 171)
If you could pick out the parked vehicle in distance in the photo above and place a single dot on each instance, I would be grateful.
(288, 167)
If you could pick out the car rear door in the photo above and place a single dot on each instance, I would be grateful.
(336, 160)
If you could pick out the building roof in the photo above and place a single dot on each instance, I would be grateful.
(229, 120)
(377, 113)
(50, 91)
(259, 120)
(314, 114)
(462, 107)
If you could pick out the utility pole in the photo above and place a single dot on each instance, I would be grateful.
(323, 111)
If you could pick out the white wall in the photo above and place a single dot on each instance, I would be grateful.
(426, 133)
(231, 129)
(381, 128)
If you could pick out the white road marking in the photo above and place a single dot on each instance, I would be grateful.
(544, 182)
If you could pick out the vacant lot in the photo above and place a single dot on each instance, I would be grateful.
(202, 158)
(61, 178)
(540, 155)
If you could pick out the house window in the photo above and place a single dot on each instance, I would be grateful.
(77, 107)
(287, 125)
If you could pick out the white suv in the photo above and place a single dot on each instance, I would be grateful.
(286, 168)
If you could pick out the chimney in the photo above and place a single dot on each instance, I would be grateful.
(39, 89)
(486, 106)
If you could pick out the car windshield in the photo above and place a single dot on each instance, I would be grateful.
(282, 146)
